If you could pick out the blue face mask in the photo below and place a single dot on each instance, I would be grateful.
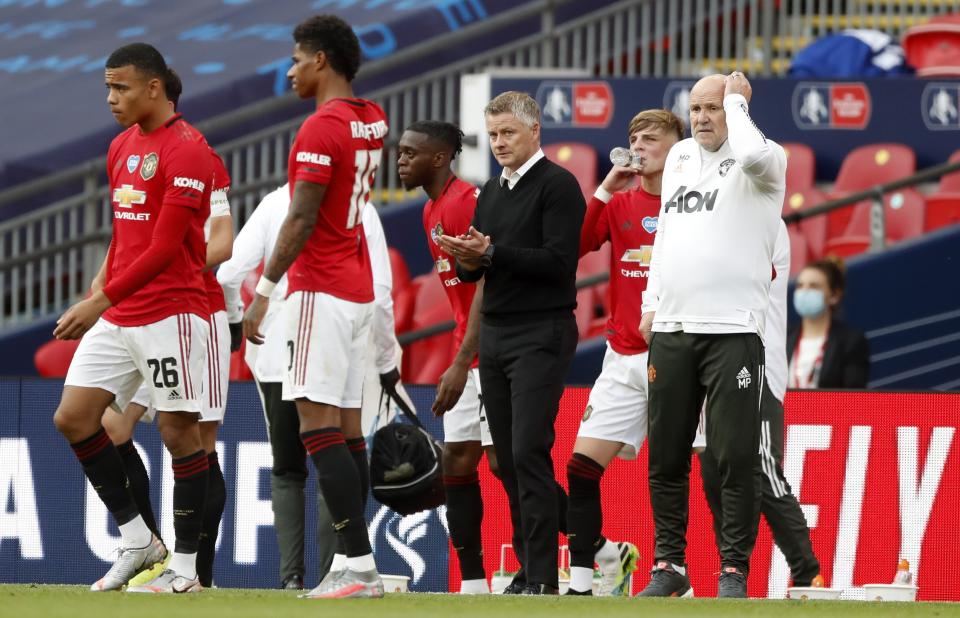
(809, 303)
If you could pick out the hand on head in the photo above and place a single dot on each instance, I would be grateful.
(737, 83)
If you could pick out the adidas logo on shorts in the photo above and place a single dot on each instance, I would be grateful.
(743, 378)
(174, 395)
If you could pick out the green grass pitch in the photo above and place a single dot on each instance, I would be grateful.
(27, 601)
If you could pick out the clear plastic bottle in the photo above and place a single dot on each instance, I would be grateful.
(626, 157)
(903, 577)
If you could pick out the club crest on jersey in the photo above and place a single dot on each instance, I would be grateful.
(149, 167)
(443, 265)
(132, 162)
(436, 233)
(639, 256)
(587, 412)
(725, 166)
(650, 224)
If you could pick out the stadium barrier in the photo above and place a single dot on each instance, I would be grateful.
(878, 475)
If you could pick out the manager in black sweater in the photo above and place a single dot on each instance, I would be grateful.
(524, 242)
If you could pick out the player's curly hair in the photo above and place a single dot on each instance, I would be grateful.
(335, 38)
(446, 133)
(142, 56)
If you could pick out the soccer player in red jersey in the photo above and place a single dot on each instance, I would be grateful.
(615, 420)
(426, 151)
(154, 317)
(330, 285)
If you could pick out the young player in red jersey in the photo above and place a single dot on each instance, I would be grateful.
(426, 151)
(615, 420)
(153, 325)
(218, 233)
(330, 285)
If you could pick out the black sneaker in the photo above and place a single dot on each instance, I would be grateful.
(577, 593)
(294, 582)
(666, 582)
(539, 589)
(733, 584)
(518, 584)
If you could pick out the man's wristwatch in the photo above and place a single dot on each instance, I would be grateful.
(487, 258)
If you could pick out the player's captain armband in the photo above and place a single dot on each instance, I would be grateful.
(265, 287)
(219, 204)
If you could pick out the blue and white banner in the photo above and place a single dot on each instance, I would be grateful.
(54, 529)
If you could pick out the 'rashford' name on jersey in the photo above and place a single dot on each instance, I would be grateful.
(170, 166)
(339, 146)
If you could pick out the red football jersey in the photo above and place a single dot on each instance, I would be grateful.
(167, 167)
(451, 214)
(339, 146)
(221, 181)
(629, 222)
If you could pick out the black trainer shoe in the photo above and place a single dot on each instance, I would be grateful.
(733, 584)
(294, 582)
(518, 584)
(577, 593)
(539, 589)
(666, 582)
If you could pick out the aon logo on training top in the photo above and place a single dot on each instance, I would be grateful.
(691, 201)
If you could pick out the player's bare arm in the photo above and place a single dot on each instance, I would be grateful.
(296, 229)
(454, 379)
(220, 245)
(646, 325)
(100, 279)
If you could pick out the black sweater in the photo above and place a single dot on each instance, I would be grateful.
(535, 229)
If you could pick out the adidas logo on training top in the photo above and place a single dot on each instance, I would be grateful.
(743, 378)
(174, 395)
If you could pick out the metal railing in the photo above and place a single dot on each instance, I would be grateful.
(49, 255)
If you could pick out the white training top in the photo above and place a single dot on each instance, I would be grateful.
(385, 345)
(254, 244)
(775, 335)
(711, 264)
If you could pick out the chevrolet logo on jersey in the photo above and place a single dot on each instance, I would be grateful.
(691, 201)
(640, 256)
(126, 196)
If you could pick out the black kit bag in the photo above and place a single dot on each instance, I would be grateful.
(405, 465)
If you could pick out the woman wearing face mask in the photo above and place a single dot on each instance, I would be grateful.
(824, 352)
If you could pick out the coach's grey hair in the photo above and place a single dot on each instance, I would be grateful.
(520, 104)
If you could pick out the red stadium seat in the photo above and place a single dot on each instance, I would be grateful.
(903, 219)
(52, 359)
(865, 167)
(799, 255)
(942, 209)
(814, 229)
(933, 48)
(426, 359)
(950, 183)
(400, 271)
(801, 167)
(579, 159)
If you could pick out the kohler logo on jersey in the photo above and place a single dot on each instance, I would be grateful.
(691, 201)
(312, 157)
(188, 183)
(374, 130)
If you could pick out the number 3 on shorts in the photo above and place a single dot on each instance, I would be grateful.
(164, 372)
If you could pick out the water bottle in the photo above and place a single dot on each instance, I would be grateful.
(903, 577)
(626, 157)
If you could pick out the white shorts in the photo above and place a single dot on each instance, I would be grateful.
(167, 357)
(466, 421)
(617, 408)
(326, 345)
(216, 375)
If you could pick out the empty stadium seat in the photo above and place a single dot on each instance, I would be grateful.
(865, 167)
(801, 166)
(425, 360)
(813, 229)
(399, 270)
(903, 219)
(799, 256)
(52, 359)
(942, 209)
(579, 159)
(933, 48)
(950, 183)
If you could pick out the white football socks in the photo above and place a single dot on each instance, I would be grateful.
(581, 579)
(474, 586)
(362, 563)
(134, 534)
(184, 565)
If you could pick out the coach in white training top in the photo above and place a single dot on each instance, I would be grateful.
(705, 305)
